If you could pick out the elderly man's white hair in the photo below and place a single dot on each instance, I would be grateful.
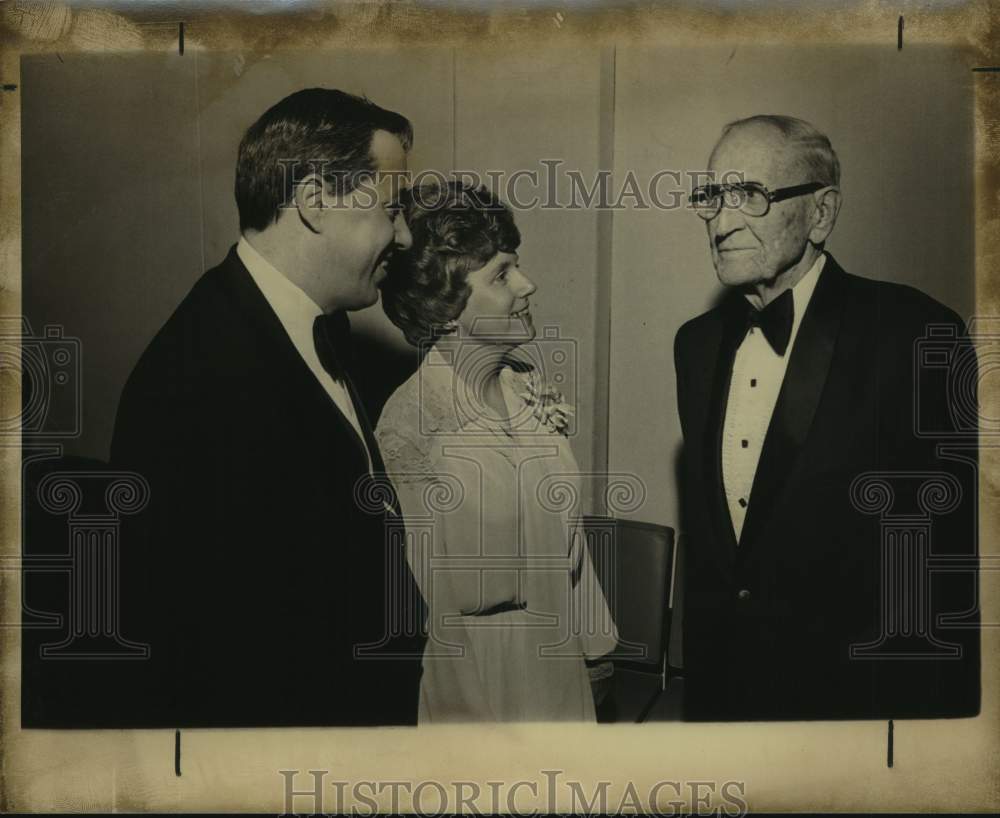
(812, 146)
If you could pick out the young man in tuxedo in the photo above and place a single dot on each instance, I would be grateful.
(795, 394)
(263, 578)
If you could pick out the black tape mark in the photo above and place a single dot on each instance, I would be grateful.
(889, 754)
(180, 38)
(177, 753)
(990, 68)
(60, 57)
(899, 34)
(9, 86)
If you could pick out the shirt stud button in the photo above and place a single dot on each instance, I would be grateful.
(742, 502)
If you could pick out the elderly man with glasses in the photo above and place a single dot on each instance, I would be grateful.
(795, 393)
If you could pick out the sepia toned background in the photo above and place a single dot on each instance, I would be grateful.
(125, 122)
(128, 168)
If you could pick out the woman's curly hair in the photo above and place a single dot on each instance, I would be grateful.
(456, 229)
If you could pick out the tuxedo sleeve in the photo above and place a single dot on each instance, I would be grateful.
(932, 438)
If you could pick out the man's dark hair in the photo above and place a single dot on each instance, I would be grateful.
(456, 229)
(316, 130)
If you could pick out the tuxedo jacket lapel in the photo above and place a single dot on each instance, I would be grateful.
(250, 301)
(798, 400)
(378, 466)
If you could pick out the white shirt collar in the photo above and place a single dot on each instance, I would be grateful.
(293, 307)
(803, 291)
(802, 294)
(297, 313)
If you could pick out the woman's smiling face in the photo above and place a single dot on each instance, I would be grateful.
(497, 311)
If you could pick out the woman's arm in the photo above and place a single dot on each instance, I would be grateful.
(461, 555)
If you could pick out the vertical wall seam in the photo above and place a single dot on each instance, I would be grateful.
(201, 169)
(603, 319)
(454, 109)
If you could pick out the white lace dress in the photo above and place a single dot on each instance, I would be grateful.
(477, 499)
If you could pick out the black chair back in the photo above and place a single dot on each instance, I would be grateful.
(634, 562)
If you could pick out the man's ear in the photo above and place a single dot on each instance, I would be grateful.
(308, 197)
(827, 208)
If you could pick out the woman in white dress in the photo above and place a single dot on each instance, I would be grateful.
(475, 444)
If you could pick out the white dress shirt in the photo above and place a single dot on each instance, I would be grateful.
(758, 372)
(297, 312)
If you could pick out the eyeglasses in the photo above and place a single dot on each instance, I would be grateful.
(751, 198)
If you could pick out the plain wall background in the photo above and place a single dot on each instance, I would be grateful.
(128, 169)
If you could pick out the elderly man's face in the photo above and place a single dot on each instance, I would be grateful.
(750, 249)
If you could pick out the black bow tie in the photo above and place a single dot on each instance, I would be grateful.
(332, 337)
(775, 320)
